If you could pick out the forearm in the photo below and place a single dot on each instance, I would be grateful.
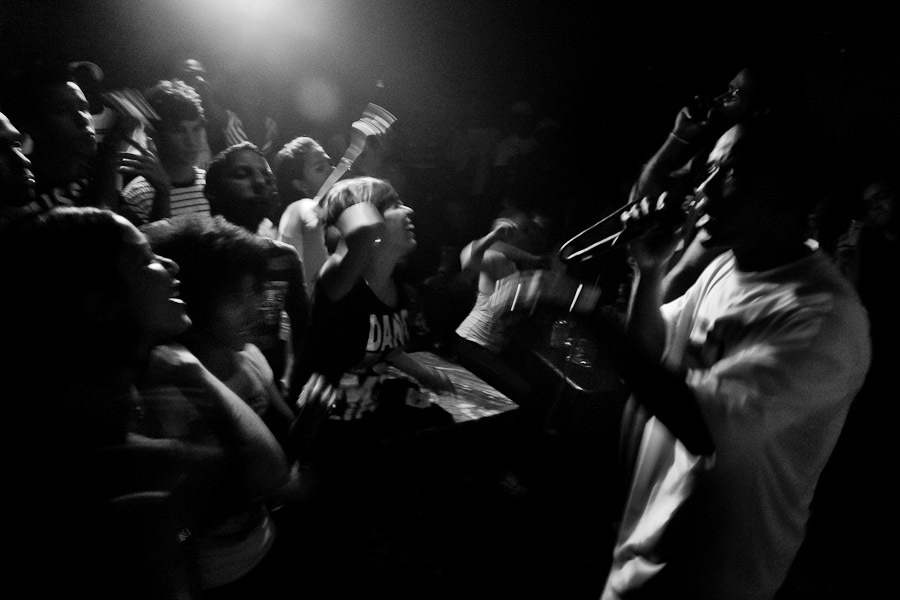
(473, 254)
(662, 390)
(645, 323)
(104, 188)
(671, 156)
(259, 458)
(161, 208)
(427, 376)
(359, 225)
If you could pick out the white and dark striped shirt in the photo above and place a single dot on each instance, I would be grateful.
(139, 195)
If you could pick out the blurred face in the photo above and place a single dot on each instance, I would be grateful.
(247, 192)
(66, 122)
(194, 74)
(16, 178)
(879, 201)
(316, 169)
(152, 303)
(399, 231)
(730, 214)
(234, 316)
(180, 145)
(738, 101)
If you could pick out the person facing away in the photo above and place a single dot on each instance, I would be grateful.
(301, 167)
(241, 188)
(749, 376)
(168, 183)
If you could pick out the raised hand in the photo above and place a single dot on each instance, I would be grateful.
(655, 229)
(147, 164)
(312, 407)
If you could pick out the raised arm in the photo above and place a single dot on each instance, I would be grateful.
(472, 255)
(683, 142)
(261, 466)
(359, 225)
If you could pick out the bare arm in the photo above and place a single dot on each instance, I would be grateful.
(259, 460)
(427, 376)
(685, 140)
(360, 225)
(472, 255)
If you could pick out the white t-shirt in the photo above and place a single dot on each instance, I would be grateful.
(774, 359)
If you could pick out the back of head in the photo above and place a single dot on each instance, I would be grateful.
(777, 86)
(61, 262)
(782, 161)
(352, 191)
(23, 95)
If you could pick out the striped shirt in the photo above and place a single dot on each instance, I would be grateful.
(139, 195)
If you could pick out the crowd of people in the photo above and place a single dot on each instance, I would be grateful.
(196, 326)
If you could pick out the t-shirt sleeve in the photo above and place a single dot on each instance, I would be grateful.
(257, 361)
(139, 196)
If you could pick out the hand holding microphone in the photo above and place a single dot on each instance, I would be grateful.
(654, 229)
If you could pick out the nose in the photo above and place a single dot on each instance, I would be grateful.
(170, 265)
(24, 161)
(84, 119)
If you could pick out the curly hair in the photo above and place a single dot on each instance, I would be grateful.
(213, 256)
(175, 101)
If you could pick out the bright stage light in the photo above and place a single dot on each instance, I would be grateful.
(316, 99)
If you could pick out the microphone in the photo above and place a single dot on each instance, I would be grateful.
(673, 210)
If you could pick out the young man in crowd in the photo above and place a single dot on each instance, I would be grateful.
(240, 187)
(169, 183)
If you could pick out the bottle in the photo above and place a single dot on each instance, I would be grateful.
(559, 333)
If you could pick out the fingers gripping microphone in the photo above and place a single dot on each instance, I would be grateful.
(671, 213)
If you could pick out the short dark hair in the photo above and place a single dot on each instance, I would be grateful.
(175, 101)
(212, 255)
(215, 172)
(289, 162)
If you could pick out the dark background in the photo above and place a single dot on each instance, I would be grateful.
(616, 73)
